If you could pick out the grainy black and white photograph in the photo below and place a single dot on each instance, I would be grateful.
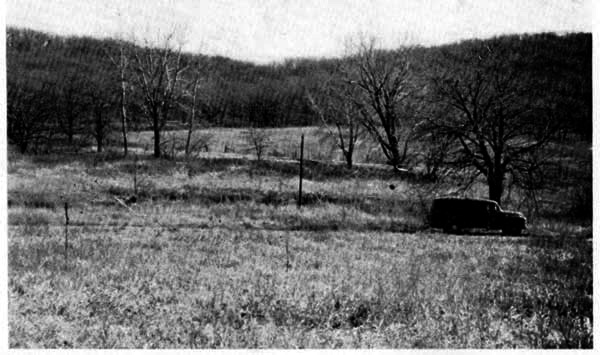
(299, 174)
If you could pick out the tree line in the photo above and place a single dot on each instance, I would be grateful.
(62, 78)
(489, 108)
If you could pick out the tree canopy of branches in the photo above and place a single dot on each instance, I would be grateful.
(71, 105)
(101, 99)
(157, 74)
(30, 114)
(193, 96)
(120, 62)
(494, 113)
(385, 96)
(258, 139)
(332, 102)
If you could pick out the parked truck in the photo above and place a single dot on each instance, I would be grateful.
(457, 214)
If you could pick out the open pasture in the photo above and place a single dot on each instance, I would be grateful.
(214, 253)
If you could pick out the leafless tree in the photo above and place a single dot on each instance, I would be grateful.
(384, 96)
(157, 74)
(30, 113)
(192, 118)
(333, 104)
(193, 92)
(71, 104)
(492, 113)
(215, 98)
(258, 139)
(121, 63)
(435, 151)
(101, 101)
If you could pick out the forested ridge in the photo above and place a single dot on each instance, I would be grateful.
(70, 75)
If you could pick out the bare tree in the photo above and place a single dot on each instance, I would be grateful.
(30, 113)
(493, 113)
(435, 151)
(258, 139)
(71, 104)
(384, 96)
(157, 73)
(193, 91)
(333, 104)
(215, 99)
(101, 102)
(121, 64)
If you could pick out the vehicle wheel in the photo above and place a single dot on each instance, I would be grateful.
(450, 228)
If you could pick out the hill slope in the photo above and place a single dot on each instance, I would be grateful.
(237, 93)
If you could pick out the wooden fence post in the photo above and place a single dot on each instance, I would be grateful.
(135, 165)
(66, 231)
(301, 171)
(287, 253)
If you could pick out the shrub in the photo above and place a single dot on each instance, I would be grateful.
(258, 140)
(33, 199)
(29, 217)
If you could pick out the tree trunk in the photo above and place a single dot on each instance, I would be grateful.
(99, 140)
(189, 138)
(496, 187)
(70, 125)
(99, 144)
(123, 116)
(23, 145)
(99, 130)
(156, 129)
(191, 122)
(394, 152)
(348, 156)
(396, 160)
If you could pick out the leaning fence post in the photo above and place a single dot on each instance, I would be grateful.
(301, 161)
(66, 231)
(287, 253)
(135, 166)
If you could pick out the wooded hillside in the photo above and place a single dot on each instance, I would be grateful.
(61, 87)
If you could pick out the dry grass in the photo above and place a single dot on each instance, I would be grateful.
(284, 143)
(199, 261)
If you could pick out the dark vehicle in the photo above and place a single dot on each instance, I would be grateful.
(455, 214)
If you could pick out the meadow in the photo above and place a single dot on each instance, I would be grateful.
(214, 253)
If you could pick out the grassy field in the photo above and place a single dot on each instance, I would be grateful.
(214, 253)
(284, 143)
